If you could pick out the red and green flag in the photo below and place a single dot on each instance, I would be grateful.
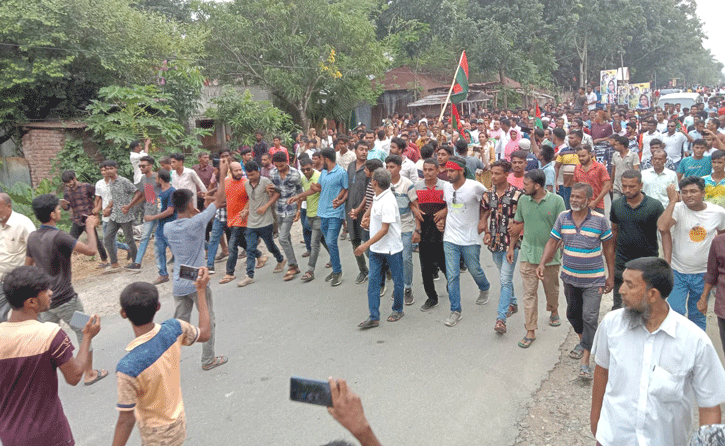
(460, 86)
(456, 119)
(538, 122)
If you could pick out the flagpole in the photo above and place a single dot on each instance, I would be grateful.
(445, 104)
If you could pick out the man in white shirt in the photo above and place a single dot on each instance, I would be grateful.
(102, 205)
(386, 249)
(687, 246)
(185, 178)
(661, 122)
(656, 179)
(382, 142)
(647, 137)
(675, 142)
(136, 153)
(408, 169)
(345, 156)
(460, 236)
(14, 231)
(591, 99)
(649, 362)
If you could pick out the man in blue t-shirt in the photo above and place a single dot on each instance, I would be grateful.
(166, 214)
(331, 210)
(185, 237)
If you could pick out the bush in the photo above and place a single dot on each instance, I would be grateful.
(23, 195)
(74, 157)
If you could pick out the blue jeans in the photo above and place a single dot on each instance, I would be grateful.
(565, 193)
(160, 244)
(506, 275)
(237, 239)
(471, 258)
(215, 237)
(685, 294)
(407, 260)
(393, 262)
(119, 245)
(306, 229)
(252, 236)
(148, 228)
(330, 227)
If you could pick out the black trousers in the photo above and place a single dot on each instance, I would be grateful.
(432, 259)
(76, 230)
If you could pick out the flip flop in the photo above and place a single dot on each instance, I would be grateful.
(227, 279)
(554, 321)
(585, 372)
(577, 352)
(526, 342)
(219, 360)
(100, 374)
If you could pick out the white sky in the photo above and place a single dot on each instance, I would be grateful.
(711, 12)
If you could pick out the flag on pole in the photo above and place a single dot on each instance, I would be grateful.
(456, 119)
(538, 122)
(460, 86)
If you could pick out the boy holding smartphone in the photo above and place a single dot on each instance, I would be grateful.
(149, 381)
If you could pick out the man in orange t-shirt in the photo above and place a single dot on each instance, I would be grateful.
(236, 201)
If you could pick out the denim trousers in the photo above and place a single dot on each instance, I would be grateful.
(253, 235)
(432, 259)
(471, 258)
(316, 239)
(306, 229)
(330, 227)
(160, 245)
(506, 276)
(237, 239)
(184, 305)
(565, 193)
(217, 229)
(76, 230)
(407, 259)
(285, 239)
(582, 311)
(378, 264)
(4, 306)
(685, 294)
(109, 239)
(148, 228)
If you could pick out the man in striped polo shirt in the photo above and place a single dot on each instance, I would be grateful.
(583, 232)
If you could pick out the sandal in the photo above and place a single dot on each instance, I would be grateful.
(100, 374)
(280, 266)
(554, 320)
(500, 326)
(368, 323)
(227, 278)
(577, 352)
(585, 372)
(328, 265)
(291, 273)
(219, 360)
(308, 276)
(513, 309)
(395, 316)
(526, 342)
(261, 261)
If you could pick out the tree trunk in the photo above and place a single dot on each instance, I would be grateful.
(502, 78)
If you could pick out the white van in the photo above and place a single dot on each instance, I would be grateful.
(684, 99)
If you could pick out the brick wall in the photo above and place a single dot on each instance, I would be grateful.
(40, 146)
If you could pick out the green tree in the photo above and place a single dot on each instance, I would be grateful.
(301, 50)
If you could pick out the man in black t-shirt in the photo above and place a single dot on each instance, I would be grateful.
(50, 249)
(430, 240)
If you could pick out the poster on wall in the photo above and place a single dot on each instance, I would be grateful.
(608, 86)
(640, 96)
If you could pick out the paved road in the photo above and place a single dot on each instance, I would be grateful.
(421, 382)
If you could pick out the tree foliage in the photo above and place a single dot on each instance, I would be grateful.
(246, 116)
(306, 52)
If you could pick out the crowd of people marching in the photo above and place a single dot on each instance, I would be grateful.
(596, 198)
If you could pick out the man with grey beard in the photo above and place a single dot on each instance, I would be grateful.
(650, 360)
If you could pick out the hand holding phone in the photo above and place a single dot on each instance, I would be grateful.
(79, 320)
(310, 391)
(188, 272)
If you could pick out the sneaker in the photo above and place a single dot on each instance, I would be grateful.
(362, 277)
(436, 277)
(161, 279)
(211, 270)
(453, 318)
(428, 305)
(246, 281)
(134, 267)
(383, 289)
(482, 298)
(409, 299)
(336, 279)
(306, 254)
(329, 277)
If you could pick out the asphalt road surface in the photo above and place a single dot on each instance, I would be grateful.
(421, 382)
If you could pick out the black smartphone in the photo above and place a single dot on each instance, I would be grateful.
(310, 391)
(188, 272)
